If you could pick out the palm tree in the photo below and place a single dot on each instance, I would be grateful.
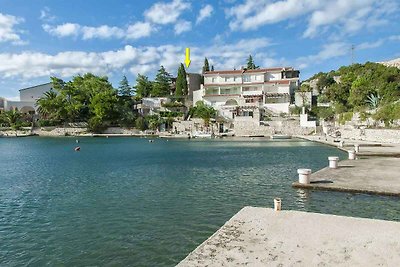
(12, 118)
(47, 104)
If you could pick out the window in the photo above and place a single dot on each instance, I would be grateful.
(246, 78)
(226, 79)
(234, 78)
(213, 79)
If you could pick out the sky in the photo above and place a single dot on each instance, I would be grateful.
(44, 38)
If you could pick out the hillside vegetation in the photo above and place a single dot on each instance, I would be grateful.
(371, 89)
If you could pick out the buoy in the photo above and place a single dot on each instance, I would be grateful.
(78, 148)
(77, 141)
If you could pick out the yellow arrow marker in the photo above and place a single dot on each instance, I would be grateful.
(187, 58)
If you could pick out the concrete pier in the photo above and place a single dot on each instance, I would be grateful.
(264, 237)
(372, 175)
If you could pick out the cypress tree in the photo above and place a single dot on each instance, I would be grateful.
(181, 82)
(206, 66)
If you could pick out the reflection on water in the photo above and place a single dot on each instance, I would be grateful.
(302, 197)
(128, 202)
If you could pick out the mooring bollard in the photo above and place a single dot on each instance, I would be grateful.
(333, 162)
(277, 204)
(357, 148)
(352, 154)
(304, 175)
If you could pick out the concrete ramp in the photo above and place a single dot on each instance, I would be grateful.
(264, 237)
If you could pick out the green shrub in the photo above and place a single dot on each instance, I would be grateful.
(343, 117)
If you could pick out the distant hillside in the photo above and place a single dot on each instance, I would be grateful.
(360, 88)
(392, 63)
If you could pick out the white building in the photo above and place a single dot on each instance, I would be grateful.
(241, 91)
(28, 97)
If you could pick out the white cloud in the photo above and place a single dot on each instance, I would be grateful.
(45, 15)
(394, 38)
(8, 33)
(204, 13)
(182, 26)
(63, 30)
(328, 51)
(352, 15)
(340, 16)
(166, 13)
(139, 30)
(147, 59)
(131, 32)
(370, 45)
(255, 13)
(101, 32)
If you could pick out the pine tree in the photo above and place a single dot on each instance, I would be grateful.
(206, 66)
(250, 64)
(162, 83)
(181, 82)
(124, 88)
(143, 86)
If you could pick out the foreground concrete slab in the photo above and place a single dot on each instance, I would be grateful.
(371, 175)
(264, 237)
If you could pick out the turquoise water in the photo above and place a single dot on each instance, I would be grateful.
(128, 202)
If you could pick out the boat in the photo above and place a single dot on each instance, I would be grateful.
(281, 136)
(202, 135)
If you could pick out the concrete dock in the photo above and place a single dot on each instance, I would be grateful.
(264, 237)
(376, 170)
(371, 175)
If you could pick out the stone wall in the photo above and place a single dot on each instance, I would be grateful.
(280, 126)
(54, 131)
(372, 135)
(118, 130)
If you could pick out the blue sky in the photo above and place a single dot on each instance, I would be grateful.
(39, 39)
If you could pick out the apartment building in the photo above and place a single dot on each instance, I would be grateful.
(239, 92)
(28, 97)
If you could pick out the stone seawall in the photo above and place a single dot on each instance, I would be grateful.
(372, 135)
(286, 127)
(54, 131)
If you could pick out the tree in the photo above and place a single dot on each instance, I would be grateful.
(153, 121)
(181, 82)
(124, 88)
(304, 89)
(212, 67)
(143, 86)
(13, 118)
(140, 124)
(250, 64)
(48, 105)
(162, 83)
(203, 111)
(206, 66)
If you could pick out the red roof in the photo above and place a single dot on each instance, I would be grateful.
(247, 71)
(247, 84)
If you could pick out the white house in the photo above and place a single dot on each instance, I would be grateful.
(28, 97)
(241, 91)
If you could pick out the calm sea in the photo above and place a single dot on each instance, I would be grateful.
(128, 202)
